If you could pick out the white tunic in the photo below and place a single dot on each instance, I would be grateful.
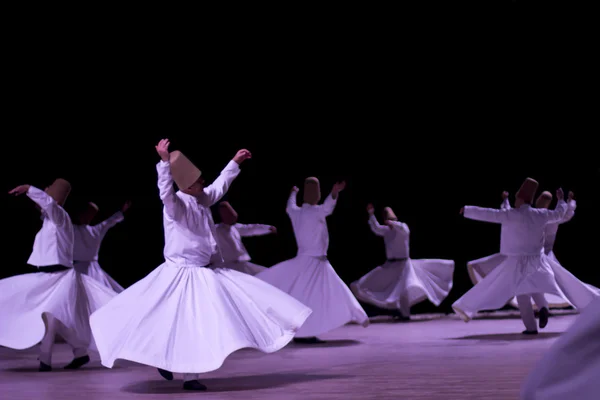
(53, 243)
(552, 228)
(229, 239)
(197, 316)
(525, 270)
(396, 240)
(309, 277)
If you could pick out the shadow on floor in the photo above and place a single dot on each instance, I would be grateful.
(328, 343)
(232, 384)
(55, 369)
(510, 336)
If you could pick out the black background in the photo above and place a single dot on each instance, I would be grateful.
(424, 117)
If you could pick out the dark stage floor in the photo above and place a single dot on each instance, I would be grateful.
(436, 357)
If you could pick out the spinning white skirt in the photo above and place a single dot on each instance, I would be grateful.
(568, 283)
(93, 270)
(571, 367)
(415, 280)
(189, 319)
(68, 296)
(313, 282)
(241, 266)
(517, 275)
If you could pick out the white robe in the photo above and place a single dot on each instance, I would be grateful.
(87, 245)
(571, 367)
(309, 276)
(402, 282)
(234, 253)
(479, 269)
(29, 301)
(183, 317)
(526, 269)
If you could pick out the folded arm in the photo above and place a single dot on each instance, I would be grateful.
(253, 229)
(51, 208)
(174, 207)
(220, 186)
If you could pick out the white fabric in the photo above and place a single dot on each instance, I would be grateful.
(68, 296)
(233, 252)
(53, 243)
(526, 269)
(55, 327)
(309, 277)
(189, 219)
(571, 367)
(402, 284)
(552, 228)
(185, 318)
(87, 246)
(241, 266)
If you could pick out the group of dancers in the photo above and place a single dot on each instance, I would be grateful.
(208, 300)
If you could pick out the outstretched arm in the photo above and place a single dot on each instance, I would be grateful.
(51, 208)
(220, 186)
(174, 207)
(292, 203)
(108, 223)
(485, 214)
(254, 229)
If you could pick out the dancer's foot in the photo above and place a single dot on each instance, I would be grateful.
(309, 340)
(366, 323)
(193, 385)
(45, 367)
(78, 362)
(544, 314)
(166, 374)
(530, 332)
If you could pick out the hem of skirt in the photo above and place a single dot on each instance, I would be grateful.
(461, 313)
(277, 344)
(395, 304)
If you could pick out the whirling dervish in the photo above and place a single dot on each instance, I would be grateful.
(184, 317)
(402, 282)
(526, 272)
(57, 300)
(229, 235)
(309, 277)
(88, 239)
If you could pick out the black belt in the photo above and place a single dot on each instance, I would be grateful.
(397, 259)
(53, 268)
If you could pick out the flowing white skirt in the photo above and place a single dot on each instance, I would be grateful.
(93, 269)
(241, 266)
(189, 319)
(68, 296)
(568, 283)
(415, 280)
(570, 369)
(313, 282)
(518, 275)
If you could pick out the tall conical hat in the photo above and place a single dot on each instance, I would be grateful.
(312, 190)
(388, 214)
(527, 190)
(543, 201)
(59, 191)
(184, 172)
(228, 215)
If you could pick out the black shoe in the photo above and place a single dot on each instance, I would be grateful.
(544, 314)
(165, 374)
(309, 340)
(193, 385)
(78, 362)
(45, 367)
(530, 332)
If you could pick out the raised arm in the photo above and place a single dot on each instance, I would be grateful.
(559, 213)
(572, 205)
(220, 186)
(51, 208)
(254, 229)
(377, 229)
(330, 202)
(505, 203)
(400, 225)
(108, 223)
(174, 207)
(486, 214)
(292, 203)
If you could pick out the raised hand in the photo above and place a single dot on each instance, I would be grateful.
(504, 195)
(162, 148)
(19, 190)
(295, 189)
(338, 187)
(571, 196)
(370, 209)
(272, 229)
(560, 195)
(126, 206)
(242, 155)
(462, 211)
